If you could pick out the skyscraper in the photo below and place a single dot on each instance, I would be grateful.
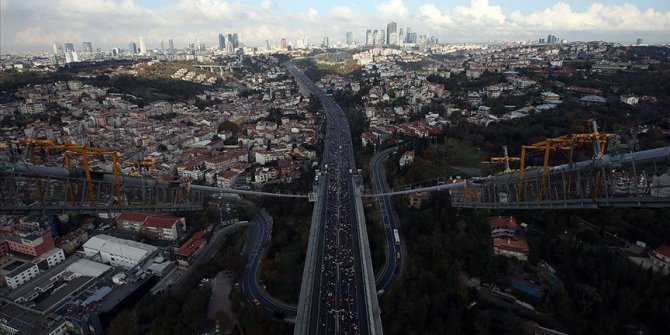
(132, 47)
(143, 47)
(57, 48)
(350, 38)
(325, 42)
(369, 37)
(282, 43)
(69, 47)
(88, 46)
(639, 41)
(401, 36)
(552, 39)
(171, 44)
(236, 40)
(222, 42)
(162, 47)
(392, 33)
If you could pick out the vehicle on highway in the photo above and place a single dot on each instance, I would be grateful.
(396, 236)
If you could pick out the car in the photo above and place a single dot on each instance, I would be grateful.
(256, 302)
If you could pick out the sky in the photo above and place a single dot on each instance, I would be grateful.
(34, 25)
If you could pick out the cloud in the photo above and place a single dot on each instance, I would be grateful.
(312, 15)
(37, 35)
(35, 24)
(267, 5)
(342, 13)
(393, 9)
(626, 17)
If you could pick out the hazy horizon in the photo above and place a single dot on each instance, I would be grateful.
(32, 25)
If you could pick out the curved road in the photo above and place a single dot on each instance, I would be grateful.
(260, 232)
(394, 266)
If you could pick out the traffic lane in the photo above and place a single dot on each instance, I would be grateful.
(393, 265)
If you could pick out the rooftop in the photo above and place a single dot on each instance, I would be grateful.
(117, 246)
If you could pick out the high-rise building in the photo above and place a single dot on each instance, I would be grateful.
(222, 42)
(380, 37)
(69, 47)
(639, 41)
(87, 46)
(282, 44)
(58, 48)
(191, 48)
(407, 35)
(552, 39)
(132, 47)
(162, 47)
(201, 46)
(171, 44)
(411, 37)
(392, 33)
(143, 47)
(401, 36)
(236, 40)
(325, 42)
(369, 37)
(350, 38)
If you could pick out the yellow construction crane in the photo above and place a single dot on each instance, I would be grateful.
(563, 143)
(70, 151)
(505, 159)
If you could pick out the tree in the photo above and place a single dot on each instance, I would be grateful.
(223, 320)
(123, 324)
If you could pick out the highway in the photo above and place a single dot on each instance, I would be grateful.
(337, 299)
(394, 265)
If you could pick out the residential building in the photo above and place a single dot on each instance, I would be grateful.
(163, 227)
(503, 226)
(511, 247)
(661, 257)
(592, 100)
(21, 275)
(415, 199)
(629, 99)
(407, 158)
(187, 251)
(28, 243)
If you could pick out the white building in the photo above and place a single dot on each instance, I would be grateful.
(406, 159)
(52, 257)
(116, 251)
(21, 275)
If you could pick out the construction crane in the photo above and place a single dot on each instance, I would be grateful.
(70, 152)
(566, 143)
(505, 159)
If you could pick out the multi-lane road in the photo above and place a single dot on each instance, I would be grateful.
(335, 293)
(395, 253)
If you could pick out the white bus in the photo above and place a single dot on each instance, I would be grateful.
(396, 236)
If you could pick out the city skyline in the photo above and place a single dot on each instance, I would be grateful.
(111, 23)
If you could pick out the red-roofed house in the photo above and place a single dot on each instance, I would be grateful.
(661, 257)
(503, 226)
(189, 249)
(517, 247)
(163, 227)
